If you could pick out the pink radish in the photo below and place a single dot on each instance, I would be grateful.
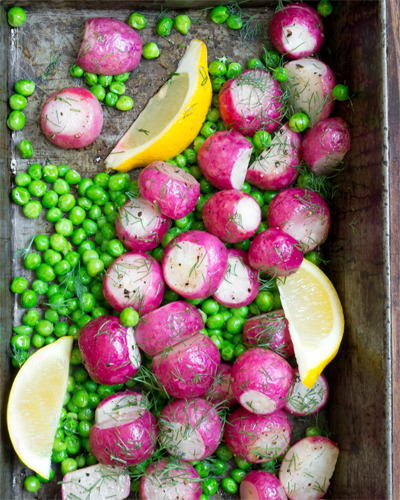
(174, 191)
(72, 118)
(240, 285)
(261, 380)
(190, 428)
(102, 481)
(250, 102)
(187, 369)
(194, 264)
(170, 479)
(302, 214)
(109, 350)
(220, 393)
(134, 280)
(109, 47)
(304, 401)
(275, 253)
(270, 331)
(140, 226)
(310, 85)
(232, 216)
(307, 468)
(261, 485)
(167, 326)
(257, 438)
(297, 31)
(223, 159)
(278, 166)
(326, 144)
(125, 430)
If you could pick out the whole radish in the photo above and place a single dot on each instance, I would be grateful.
(72, 118)
(134, 280)
(261, 485)
(315, 459)
(325, 145)
(277, 167)
(297, 31)
(257, 438)
(140, 226)
(194, 264)
(275, 253)
(232, 215)
(261, 380)
(109, 350)
(171, 189)
(109, 47)
(240, 285)
(252, 101)
(190, 428)
(124, 431)
(302, 214)
(223, 159)
(167, 326)
(270, 331)
(304, 401)
(220, 393)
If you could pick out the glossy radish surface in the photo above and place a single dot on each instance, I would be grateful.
(261, 485)
(220, 393)
(304, 401)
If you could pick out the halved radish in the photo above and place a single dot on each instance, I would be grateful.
(232, 215)
(261, 485)
(194, 264)
(220, 393)
(277, 166)
(223, 159)
(140, 226)
(257, 438)
(134, 280)
(102, 481)
(304, 401)
(261, 380)
(310, 84)
(190, 429)
(240, 285)
(124, 431)
(307, 468)
(167, 326)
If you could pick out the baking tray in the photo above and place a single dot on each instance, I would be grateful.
(359, 408)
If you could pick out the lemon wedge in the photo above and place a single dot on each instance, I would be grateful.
(315, 315)
(171, 119)
(35, 404)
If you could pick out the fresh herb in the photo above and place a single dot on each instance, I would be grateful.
(55, 60)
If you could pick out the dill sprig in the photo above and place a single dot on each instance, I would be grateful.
(55, 61)
(24, 251)
(19, 356)
(324, 185)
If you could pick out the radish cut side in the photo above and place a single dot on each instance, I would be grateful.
(296, 41)
(305, 401)
(257, 402)
(184, 441)
(248, 491)
(238, 174)
(236, 284)
(248, 214)
(120, 410)
(269, 445)
(134, 354)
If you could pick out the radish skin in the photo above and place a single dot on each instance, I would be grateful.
(304, 401)
(220, 393)
(261, 485)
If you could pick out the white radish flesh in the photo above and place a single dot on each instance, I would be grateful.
(304, 401)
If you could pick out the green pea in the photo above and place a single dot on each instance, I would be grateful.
(255, 64)
(124, 103)
(77, 215)
(205, 186)
(17, 102)
(31, 483)
(219, 14)
(16, 17)
(261, 139)
(234, 69)
(208, 129)
(68, 465)
(28, 299)
(204, 497)
(73, 444)
(203, 469)
(72, 177)
(95, 267)
(246, 188)
(25, 147)
(215, 321)
(234, 22)
(258, 196)
(25, 87)
(340, 92)
(213, 115)
(20, 342)
(218, 467)
(20, 195)
(104, 391)
(51, 314)
(298, 122)
(137, 21)
(111, 99)
(210, 306)
(281, 74)
(98, 91)
(264, 301)
(117, 88)
(81, 399)
(271, 58)
(90, 78)
(58, 242)
(210, 486)
(164, 26)
(23, 330)
(22, 179)
(64, 227)
(37, 341)
(240, 311)
(313, 431)
(217, 82)
(242, 464)
(94, 399)
(84, 428)
(324, 8)
(76, 356)
(235, 324)
(50, 173)
(238, 475)
(182, 23)
(62, 268)
(35, 171)
(54, 214)
(90, 227)
(313, 257)
(198, 142)
(229, 485)
(43, 480)
(227, 351)
(32, 261)
(151, 51)
(190, 155)
(31, 318)
(75, 71)
(61, 187)
(44, 328)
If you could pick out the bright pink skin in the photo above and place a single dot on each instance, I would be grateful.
(275, 253)
(188, 369)
(302, 214)
(72, 118)
(303, 401)
(325, 145)
(297, 31)
(140, 226)
(198, 275)
(179, 482)
(270, 331)
(175, 191)
(261, 485)
(240, 285)
(217, 158)
(276, 167)
(103, 343)
(239, 102)
(134, 280)
(224, 217)
(167, 326)
(199, 424)
(129, 441)
(220, 393)
(109, 47)
(257, 438)
(261, 380)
